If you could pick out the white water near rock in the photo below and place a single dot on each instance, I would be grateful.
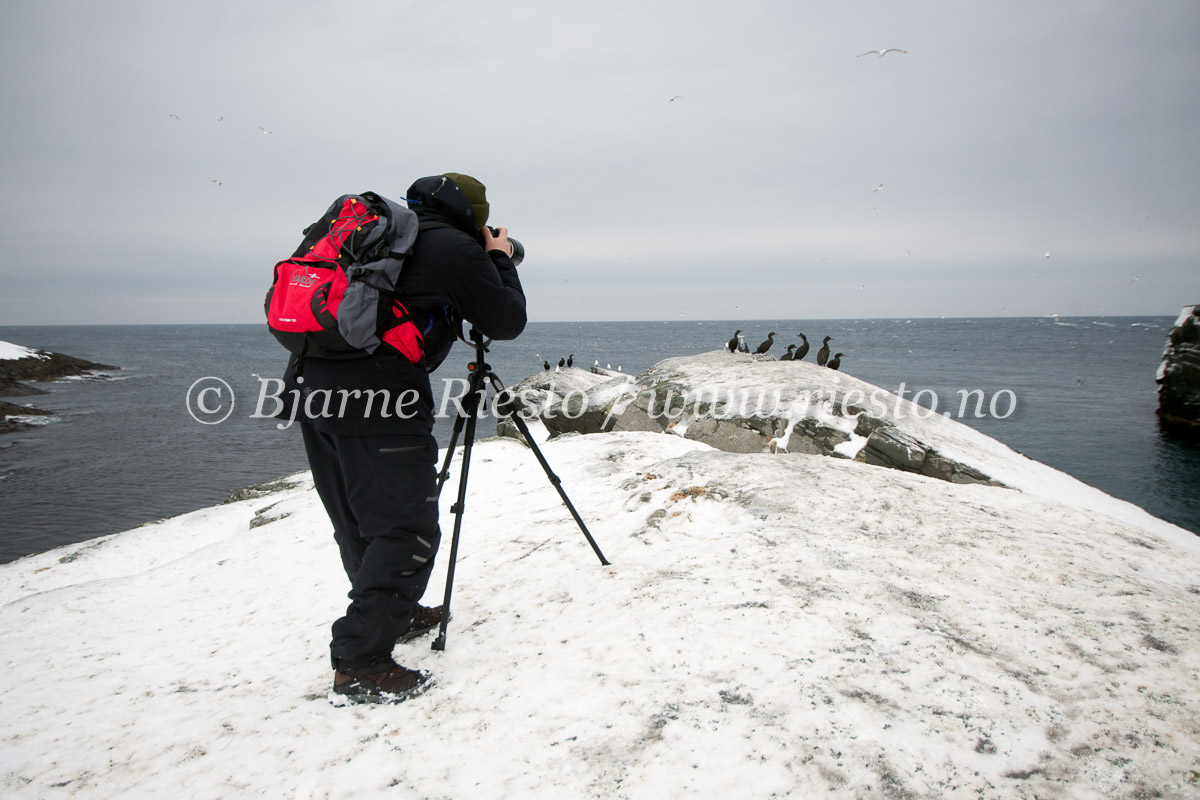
(770, 624)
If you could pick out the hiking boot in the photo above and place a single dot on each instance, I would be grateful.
(393, 685)
(423, 620)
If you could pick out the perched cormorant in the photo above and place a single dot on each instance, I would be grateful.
(802, 350)
(732, 344)
(766, 345)
(546, 365)
(823, 353)
(743, 347)
(835, 362)
(562, 362)
(788, 355)
(570, 359)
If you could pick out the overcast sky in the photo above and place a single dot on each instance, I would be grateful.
(659, 160)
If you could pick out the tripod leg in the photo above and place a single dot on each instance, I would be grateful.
(554, 479)
(444, 474)
(470, 416)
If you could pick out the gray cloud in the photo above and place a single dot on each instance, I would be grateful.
(1005, 132)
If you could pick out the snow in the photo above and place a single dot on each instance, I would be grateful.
(781, 625)
(612, 390)
(12, 352)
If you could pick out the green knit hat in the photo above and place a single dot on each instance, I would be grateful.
(476, 194)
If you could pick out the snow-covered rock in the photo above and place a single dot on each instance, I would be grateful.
(567, 400)
(744, 403)
(19, 364)
(751, 404)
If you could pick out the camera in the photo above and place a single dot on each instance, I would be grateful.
(518, 250)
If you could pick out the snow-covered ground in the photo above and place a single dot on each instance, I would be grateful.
(792, 390)
(770, 626)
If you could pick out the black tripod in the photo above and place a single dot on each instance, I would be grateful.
(481, 377)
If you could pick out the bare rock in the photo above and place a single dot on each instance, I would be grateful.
(43, 366)
(1179, 376)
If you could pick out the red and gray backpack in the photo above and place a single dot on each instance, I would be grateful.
(333, 298)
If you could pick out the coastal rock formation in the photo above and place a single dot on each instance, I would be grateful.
(11, 416)
(20, 364)
(888, 446)
(1179, 375)
(752, 404)
(567, 400)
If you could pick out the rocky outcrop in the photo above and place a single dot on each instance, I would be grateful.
(44, 366)
(567, 400)
(41, 366)
(888, 446)
(1179, 376)
(260, 490)
(740, 404)
(11, 414)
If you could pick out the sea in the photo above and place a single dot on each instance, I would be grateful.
(136, 445)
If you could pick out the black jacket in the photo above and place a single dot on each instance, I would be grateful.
(448, 274)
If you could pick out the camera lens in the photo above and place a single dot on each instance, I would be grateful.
(518, 249)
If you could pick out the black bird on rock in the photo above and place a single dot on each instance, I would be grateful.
(788, 355)
(562, 362)
(835, 362)
(765, 346)
(732, 344)
(743, 347)
(823, 353)
(570, 359)
(802, 350)
(546, 365)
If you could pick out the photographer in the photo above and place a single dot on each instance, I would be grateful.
(374, 470)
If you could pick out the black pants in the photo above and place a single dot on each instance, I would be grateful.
(381, 494)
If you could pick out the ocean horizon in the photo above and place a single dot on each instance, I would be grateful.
(1077, 393)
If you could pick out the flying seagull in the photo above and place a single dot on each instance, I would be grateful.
(264, 130)
(214, 180)
(676, 97)
(878, 188)
(882, 53)
(173, 116)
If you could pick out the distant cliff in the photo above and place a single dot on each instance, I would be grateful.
(1179, 375)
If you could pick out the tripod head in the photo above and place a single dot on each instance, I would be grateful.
(483, 376)
(477, 340)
